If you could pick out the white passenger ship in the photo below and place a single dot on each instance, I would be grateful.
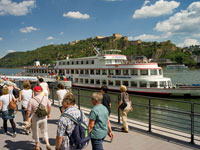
(111, 68)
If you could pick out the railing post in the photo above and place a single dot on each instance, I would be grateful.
(118, 109)
(79, 102)
(149, 114)
(192, 123)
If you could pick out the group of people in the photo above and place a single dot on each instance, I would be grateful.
(31, 98)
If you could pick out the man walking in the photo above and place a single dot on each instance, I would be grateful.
(106, 98)
(66, 125)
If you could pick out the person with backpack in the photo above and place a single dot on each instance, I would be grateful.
(65, 138)
(125, 105)
(99, 123)
(40, 107)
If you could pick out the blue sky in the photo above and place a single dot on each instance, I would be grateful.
(30, 24)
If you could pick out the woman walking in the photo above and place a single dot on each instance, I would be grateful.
(7, 114)
(125, 105)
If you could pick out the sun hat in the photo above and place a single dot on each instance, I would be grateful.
(37, 89)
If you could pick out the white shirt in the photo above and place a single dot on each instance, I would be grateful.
(5, 101)
(44, 86)
(26, 96)
(61, 93)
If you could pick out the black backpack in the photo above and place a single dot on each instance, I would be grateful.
(16, 92)
(80, 135)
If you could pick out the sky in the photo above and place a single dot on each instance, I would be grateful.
(30, 24)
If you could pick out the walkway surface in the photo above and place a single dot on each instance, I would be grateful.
(134, 140)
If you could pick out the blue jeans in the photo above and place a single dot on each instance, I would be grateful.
(23, 113)
(97, 144)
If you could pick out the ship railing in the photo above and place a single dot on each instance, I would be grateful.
(168, 118)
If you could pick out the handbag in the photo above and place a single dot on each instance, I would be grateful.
(12, 104)
(124, 104)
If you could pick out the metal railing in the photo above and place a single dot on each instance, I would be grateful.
(175, 116)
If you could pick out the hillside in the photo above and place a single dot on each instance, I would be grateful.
(82, 48)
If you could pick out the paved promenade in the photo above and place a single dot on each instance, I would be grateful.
(134, 140)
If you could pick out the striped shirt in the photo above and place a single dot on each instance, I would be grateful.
(65, 124)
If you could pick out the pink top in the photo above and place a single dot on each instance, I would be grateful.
(33, 104)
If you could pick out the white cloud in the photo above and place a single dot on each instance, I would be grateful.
(11, 51)
(50, 38)
(7, 7)
(28, 29)
(76, 15)
(160, 8)
(189, 42)
(145, 37)
(61, 33)
(1, 38)
(183, 22)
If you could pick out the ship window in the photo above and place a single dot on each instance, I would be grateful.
(91, 71)
(110, 72)
(125, 83)
(153, 71)
(87, 62)
(104, 82)
(72, 71)
(98, 81)
(144, 72)
(118, 72)
(92, 81)
(86, 71)
(103, 72)
(76, 71)
(160, 71)
(76, 80)
(125, 72)
(59, 63)
(134, 72)
(97, 72)
(108, 61)
(92, 61)
(72, 62)
(63, 63)
(77, 62)
(81, 71)
(162, 83)
(110, 82)
(67, 62)
(117, 83)
(143, 84)
(153, 84)
(81, 62)
(81, 80)
(67, 71)
(133, 84)
(86, 81)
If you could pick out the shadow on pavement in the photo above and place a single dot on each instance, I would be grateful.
(18, 145)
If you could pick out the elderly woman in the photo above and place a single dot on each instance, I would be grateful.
(124, 98)
(6, 113)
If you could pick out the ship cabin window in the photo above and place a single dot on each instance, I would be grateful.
(108, 61)
(153, 71)
(86, 81)
(110, 72)
(104, 72)
(133, 84)
(98, 72)
(162, 84)
(160, 71)
(59, 63)
(72, 71)
(91, 71)
(91, 81)
(86, 71)
(125, 83)
(67, 62)
(153, 84)
(82, 62)
(134, 72)
(125, 72)
(118, 72)
(143, 72)
(81, 80)
(81, 71)
(98, 81)
(92, 62)
(104, 82)
(67, 71)
(76, 80)
(110, 82)
(87, 62)
(72, 62)
(117, 83)
(77, 62)
(143, 84)
(76, 71)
